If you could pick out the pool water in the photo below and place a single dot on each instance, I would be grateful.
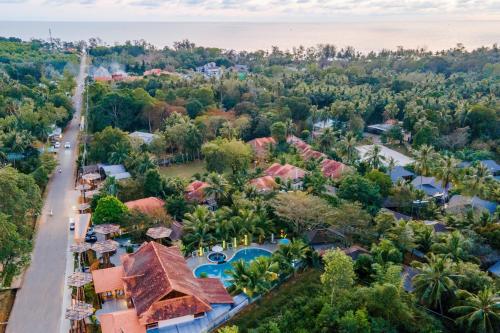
(218, 270)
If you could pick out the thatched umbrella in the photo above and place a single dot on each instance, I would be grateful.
(107, 229)
(76, 313)
(104, 248)
(159, 232)
(91, 177)
(79, 249)
(79, 280)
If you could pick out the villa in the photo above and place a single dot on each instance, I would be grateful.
(397, 173)
(285, 172)
(261, 146)
(210, 70)
(264, 184)
(157, 290)
(196, 191)
(147, 206)
(430, 185)
(333, 169)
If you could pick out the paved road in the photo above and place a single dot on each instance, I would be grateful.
(39, 303)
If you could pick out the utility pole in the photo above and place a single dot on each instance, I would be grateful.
(51, 41)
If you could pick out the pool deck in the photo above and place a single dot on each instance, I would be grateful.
(194, 262)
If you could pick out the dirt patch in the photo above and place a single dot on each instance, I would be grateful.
(6, 302)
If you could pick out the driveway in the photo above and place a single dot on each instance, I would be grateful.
(39, 303)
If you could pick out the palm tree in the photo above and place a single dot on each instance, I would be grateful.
(446, 172)
(253, 279)
(198, 226)
(347, 148)
(479, 313)
(120, 153)
(479, 175)
(327, 139)
(218, 187)
(455, 246)
(434, 281)
(289, 254)
(374, 158)
(423, 159)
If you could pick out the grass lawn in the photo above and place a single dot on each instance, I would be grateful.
(274, 303)
(6, 302)
(184, 170)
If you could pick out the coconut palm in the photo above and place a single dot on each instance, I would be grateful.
(423, 159)
(255, 278)
(218, 187)
(446, 172)
(434, 281)
(374, 158)
(327, 139)
(479, 313)
(120, 153)
(289, 254)
(144, 163)
(455, 246)
(198, 226)
(478, 177)
(347, 148)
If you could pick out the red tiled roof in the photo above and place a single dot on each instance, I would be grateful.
(121, 322)
(195, 190)
(156, 276)
(264, 183)
(261, 145)
(285, 172)
(333, 169)
(146, 205)
(108, 279)
(214, 291)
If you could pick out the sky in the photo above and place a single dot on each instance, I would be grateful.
(246, 10)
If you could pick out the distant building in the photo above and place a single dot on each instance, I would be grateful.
(379, 128)
(117, 171)
(196, 191)
(239, 69)
(461, 204)
(333, 169)
(210, 70)
(400, 172)
(146, 138)
(156, 289)
(437, 226)
(387, 153)
(430, 185)
(495, 269)
(146, 205)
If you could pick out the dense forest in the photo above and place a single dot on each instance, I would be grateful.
(36, 82)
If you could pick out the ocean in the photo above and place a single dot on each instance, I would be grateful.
(362, 35)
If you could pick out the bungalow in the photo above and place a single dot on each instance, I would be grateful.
(261, 146)
(333, 169)
(322, 239)
(196, 191)
(355, 251)
(148, 206)
(264, 184)
(400, 172)
(159, 291)
(430, 185)
(117, 171)
(286, 173)
(461, 203)
(146, 138)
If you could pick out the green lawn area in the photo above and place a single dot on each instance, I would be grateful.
(184, 170)
(290, 295)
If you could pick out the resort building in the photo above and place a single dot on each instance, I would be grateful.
(387, 153)
(117, 171)
(196, 191)
(286, 173)
(397, 173)
(264, 184)
(210, 70)
(261, 146)
(430, 185)
(147, 206)
(333, 169)
(157, 290)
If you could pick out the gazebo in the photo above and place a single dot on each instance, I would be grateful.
(104, 248)
(78, 280)
(79, 249)
(159, 232)
(76, 313)
(107, 229)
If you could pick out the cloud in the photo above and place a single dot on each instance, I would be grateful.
(13, 2)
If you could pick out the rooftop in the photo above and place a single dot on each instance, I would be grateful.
(264, 183)
(285, 172)
(148, 205)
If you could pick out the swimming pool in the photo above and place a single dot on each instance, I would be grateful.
(218, 270)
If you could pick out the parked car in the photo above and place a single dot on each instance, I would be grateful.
(67, 145)
(90, 231)
(71, 223)
(91, 238)
(57, 145)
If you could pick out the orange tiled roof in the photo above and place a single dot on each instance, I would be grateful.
(108, 279)
(120, 322)
(285, 172)
(261, 145)
(146, 205)
(195, 190)
(264, 183)
(162, 286)
(333, 169)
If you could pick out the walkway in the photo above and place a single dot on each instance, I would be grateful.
(39, 303)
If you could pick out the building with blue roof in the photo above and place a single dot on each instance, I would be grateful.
(400, 172)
